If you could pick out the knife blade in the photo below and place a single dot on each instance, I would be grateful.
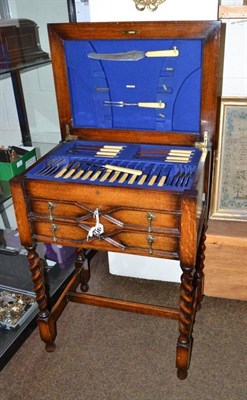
(134, 55)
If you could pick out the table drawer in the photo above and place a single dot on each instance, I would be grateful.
(138, 218)
(122, 239)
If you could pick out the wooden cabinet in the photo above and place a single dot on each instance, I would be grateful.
(226, 12)
(159, 136)
(226, 254)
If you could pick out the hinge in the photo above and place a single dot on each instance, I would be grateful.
(205, 145)
(68, 136)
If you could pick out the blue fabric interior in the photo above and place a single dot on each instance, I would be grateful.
(128, 157)
(176, 81)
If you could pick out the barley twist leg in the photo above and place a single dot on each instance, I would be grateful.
(185, 339)
(199, 275)
(47, 327)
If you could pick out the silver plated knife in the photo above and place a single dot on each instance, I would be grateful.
(134, 55)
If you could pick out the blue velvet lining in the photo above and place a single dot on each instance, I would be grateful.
(81, 155)
(176, 81)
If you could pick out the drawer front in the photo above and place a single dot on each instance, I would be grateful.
(57, 209)
(130, 221)
(119, 240)
(99, 196)
(130, 218)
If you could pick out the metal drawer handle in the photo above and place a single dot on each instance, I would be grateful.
(54, 228)
(150, 217)
(51, 206)
(150, 239)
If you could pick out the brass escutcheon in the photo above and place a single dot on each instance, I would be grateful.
(51, 206)
(150, 239)
(150, 217)
(131, 32)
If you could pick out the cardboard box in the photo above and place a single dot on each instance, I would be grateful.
(63, 255)
(8, 170)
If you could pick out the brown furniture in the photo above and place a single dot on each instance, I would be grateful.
(162, 129)
(19, 44)
(226, 256)
(20, 50)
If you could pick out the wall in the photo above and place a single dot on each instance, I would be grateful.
(235, 59)
(125, 10)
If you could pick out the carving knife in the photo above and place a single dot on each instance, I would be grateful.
(134, 55)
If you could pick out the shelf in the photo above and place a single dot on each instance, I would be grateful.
(227, 12)
(232, 233)
(25, 67)
(19, 277)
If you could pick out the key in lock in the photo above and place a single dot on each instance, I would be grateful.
(98, 229)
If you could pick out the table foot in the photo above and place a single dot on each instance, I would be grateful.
(182, 374)
(50, 347)
(183, 357)
(84, 287)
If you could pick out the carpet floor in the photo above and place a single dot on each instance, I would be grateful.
(104, 354)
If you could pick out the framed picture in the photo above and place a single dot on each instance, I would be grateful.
(229, 197)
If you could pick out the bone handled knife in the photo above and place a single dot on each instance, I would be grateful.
(72, 170)
(123, 169)
(64, 169)
(134, 55)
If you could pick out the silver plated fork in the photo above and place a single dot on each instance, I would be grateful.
(50, 165)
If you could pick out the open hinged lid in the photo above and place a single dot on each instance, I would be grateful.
(149, 82)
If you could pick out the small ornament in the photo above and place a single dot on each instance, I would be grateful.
(152, 5)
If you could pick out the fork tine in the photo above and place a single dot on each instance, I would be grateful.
(180, 175)
(190, 175)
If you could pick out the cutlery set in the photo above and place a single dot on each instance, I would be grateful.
(124, 173)
(134, 55)
(171, 155)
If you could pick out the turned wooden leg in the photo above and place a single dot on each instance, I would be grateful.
(47, 326)
(184, 344)
(199, 275)
(83, 264)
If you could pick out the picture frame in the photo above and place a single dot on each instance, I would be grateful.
(229, 196)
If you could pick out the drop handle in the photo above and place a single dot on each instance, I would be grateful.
(54, 228)
(150, 239)
(150, 218)
(51, 207)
